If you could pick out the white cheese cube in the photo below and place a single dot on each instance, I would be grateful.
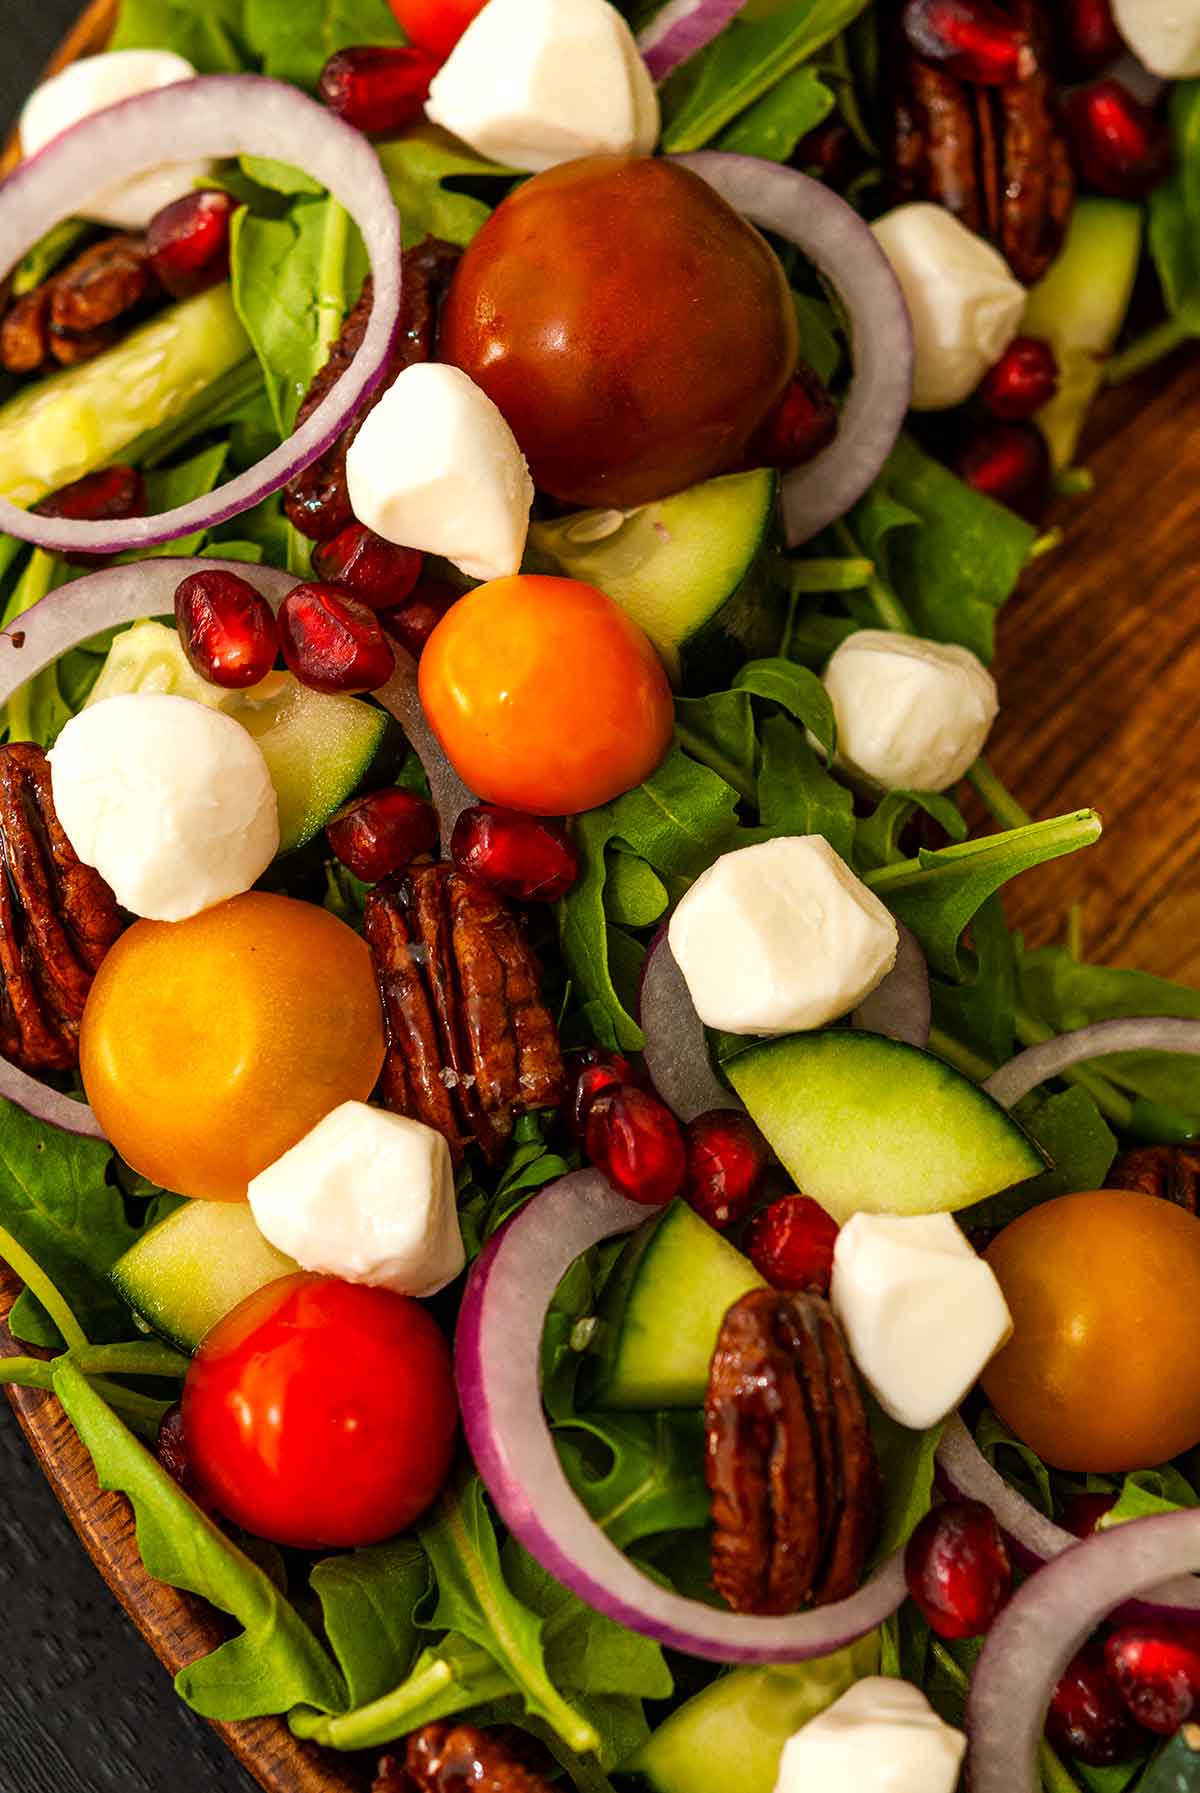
(367, 1196)
(965, 303)
(170, 801)
(436, 467)
(911, 714)
(1164, 34)
(535, 82)
(882, 1736)
(921, 1312)
(90, 85)
(779, 937)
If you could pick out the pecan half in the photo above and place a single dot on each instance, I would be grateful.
(74, 314)
(459, 1758)
(58, 918)
(1172, 1172)
(790, 1462)
(470, 1042)
(316, 500)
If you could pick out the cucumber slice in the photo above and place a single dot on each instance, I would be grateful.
(732, 1733)
(661, 1312)
(317, 748)
(84, 417)
(188, 1271)
(866, 1124)
(1079, 308)
(697, 571)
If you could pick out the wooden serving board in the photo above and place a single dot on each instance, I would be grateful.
(1099, 670)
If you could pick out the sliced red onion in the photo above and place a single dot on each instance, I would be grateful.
(1036, 1635)
(901, 1006)
(497, 1360)
(1135, 1033)
(676, 1048)
(51, 628)
(681, 30)
(843, 250)
(401, 697)
(212, 116)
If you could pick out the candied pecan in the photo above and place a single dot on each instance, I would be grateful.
(470, 1042)
(790, 1463)
(316, 500)
(1172, 1172)
(454, 1758)
(58, 918)
(25, 332)
(74, 314)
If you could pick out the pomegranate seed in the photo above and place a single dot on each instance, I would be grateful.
(1120, 147)
(375, 572)
(791, 1242)
(831, 152)
(969, 38)
(1086, 1717)
(726, 1158)
(803, 423)
(188, 241)
(376, 835)
(413, 622)
(1083, 1514)
(1008, 462)
(589, 1074)
(171, 1450)
(227, 629)
(333, 643)
(1157, 1672)
(957, 1568)
(636, 1142)
(1023, 380)
(105, 497)
(377, 88)
(1088, 38)
(529, 858)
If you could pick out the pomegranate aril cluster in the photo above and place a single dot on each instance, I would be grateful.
(726, 1160)
(791, 1243)
(188, 241)
(226, 628)
(1023, 380)
(531, 859)
(803, 423)
(378, 88)
(331, 642)
(377, 573)
(1087, 1717)
(1010, 463)
(957, 1568)
(636, 1142)
(1120, 147)
(1156, 1669)
(1088, 39)
(590, 1073)
(971, 39)
(379, 834)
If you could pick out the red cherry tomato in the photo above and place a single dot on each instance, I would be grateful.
(436, 25)
(321, 1413)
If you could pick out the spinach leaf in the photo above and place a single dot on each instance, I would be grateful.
(637, 1473)
(743, 63)
(368, 1598)
(531, 1164)
(56, 1202)
(774, 125)
(293, 39)
(419, 167)
(275, 1662)
(168, 486)
(208, 32)
(585, 1651)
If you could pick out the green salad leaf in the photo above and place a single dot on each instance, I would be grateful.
(210, 33)
(293, 39)
(1174, 230)
(637, 1473)
(420, 167)
(906, 1466)
(368, 1598)
(774, 125)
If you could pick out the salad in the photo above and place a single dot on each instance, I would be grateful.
(534, 1158)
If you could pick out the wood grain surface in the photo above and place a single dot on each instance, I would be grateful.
(1099, 671)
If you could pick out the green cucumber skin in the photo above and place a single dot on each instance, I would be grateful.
(748, 626)
(194, 1266)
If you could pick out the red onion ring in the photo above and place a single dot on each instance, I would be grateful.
(497, 1363)
(681, 30)
(212, 116)
(401, 698)
(841, 247)
(901, 1007)
(1135, 1033)
(676, 1048)
(1035, 1636)
(36, 639)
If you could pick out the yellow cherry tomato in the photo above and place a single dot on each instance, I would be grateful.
(1102, 1372)
(545, 696)
(210, 1046)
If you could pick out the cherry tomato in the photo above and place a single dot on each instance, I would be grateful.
(321, 1412)
(545, 695)
(210, 1046)
(1103, 1369)
(436, 25)
(631, 326)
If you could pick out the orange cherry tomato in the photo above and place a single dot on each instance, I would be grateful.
(436, 25)
(545, 696)
(1102, 1372)
(210, 1046)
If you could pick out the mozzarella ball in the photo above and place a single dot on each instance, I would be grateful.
(911, 714)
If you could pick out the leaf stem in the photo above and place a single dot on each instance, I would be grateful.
(43, 1290)
(832, 574)
(141, 1357)
(997, 799)
(887, 605)
(443, 1686)
(961, 1057)
(1145, 350)
(331, 282)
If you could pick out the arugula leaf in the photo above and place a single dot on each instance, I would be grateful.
(1148, 1491)
(646, 1477)
(418, 167)
(585, 1650)
(208, 32)
(796, 690)
(368, 1598)
(293, 39)
(743, 63)
(276, 1662)
(718, 730)
(635, 895)
(906, 1464)
(980, 1009)
(774, 125)
(796, 795)
(877, 836)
